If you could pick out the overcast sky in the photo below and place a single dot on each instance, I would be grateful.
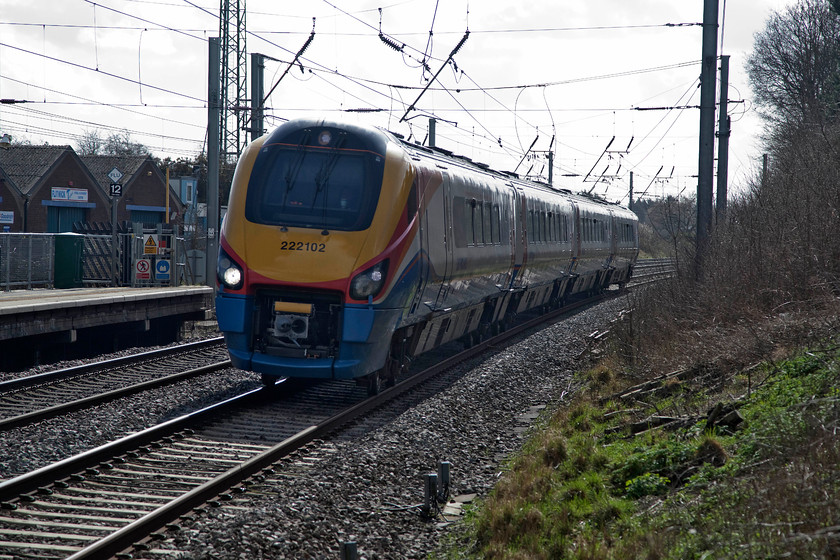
(577, 71)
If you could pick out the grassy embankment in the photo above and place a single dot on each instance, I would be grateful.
(745, 463)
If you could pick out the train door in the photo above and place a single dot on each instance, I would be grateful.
(575, 237)
(422, 181)
(438, 237)
(610, 240)
(519, 237)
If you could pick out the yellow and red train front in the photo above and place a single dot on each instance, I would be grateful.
(316, 228)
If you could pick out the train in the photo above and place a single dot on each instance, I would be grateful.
(346, 251)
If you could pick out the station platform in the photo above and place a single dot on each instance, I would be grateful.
(41, 318)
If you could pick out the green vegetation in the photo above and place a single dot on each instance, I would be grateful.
(585, 488)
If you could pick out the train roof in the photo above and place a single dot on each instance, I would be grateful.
(376, 137)
(448, 156)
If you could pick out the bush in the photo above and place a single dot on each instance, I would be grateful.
(649, 484)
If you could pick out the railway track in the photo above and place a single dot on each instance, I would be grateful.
(31, 399)
(127, 496)
(651, 270)
(122, 497)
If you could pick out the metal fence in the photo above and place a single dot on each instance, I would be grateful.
(190, 263)
(99, 267)
(26, 260)
(145, 256)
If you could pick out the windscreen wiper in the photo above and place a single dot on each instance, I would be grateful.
(297, 164)
(323, 176)
(327, 168)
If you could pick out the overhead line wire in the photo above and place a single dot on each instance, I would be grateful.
(103, 72)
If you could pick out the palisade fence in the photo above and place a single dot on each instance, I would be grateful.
(31, 260)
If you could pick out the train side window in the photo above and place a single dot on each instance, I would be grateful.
(412, 204)
(459, 221)
(487, 223)
(470, 208)
(496, 225)
(550, 230)
(530, 226)
(535, 231)
(546, 233)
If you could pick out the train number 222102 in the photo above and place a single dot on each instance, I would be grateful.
(301, 246)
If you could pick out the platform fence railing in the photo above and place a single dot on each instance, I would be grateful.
(26, 261)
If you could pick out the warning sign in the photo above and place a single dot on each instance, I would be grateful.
(143, 269)
(150, 244)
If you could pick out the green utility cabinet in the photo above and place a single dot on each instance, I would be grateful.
(69, 251)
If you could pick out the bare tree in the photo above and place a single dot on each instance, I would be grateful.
(794, 68)
(116, 144)
(121, 144)
(90, 143)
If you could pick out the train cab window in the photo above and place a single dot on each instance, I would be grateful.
(304, 186)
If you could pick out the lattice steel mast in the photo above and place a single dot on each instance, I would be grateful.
(234, 94)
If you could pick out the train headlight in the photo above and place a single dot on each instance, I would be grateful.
(369, 282)
(229, 273)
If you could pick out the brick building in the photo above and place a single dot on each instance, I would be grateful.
(49, 188)
(144, 195)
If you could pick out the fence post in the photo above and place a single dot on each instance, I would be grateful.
(29, 263)
(7, 263)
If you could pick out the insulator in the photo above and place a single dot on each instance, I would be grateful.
(460, 44)
(391, 43)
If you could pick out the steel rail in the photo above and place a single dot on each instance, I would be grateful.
(55, 375)
(32, 481)
(87, 402)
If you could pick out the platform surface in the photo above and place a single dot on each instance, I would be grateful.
(33, 312)
(25, 301)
